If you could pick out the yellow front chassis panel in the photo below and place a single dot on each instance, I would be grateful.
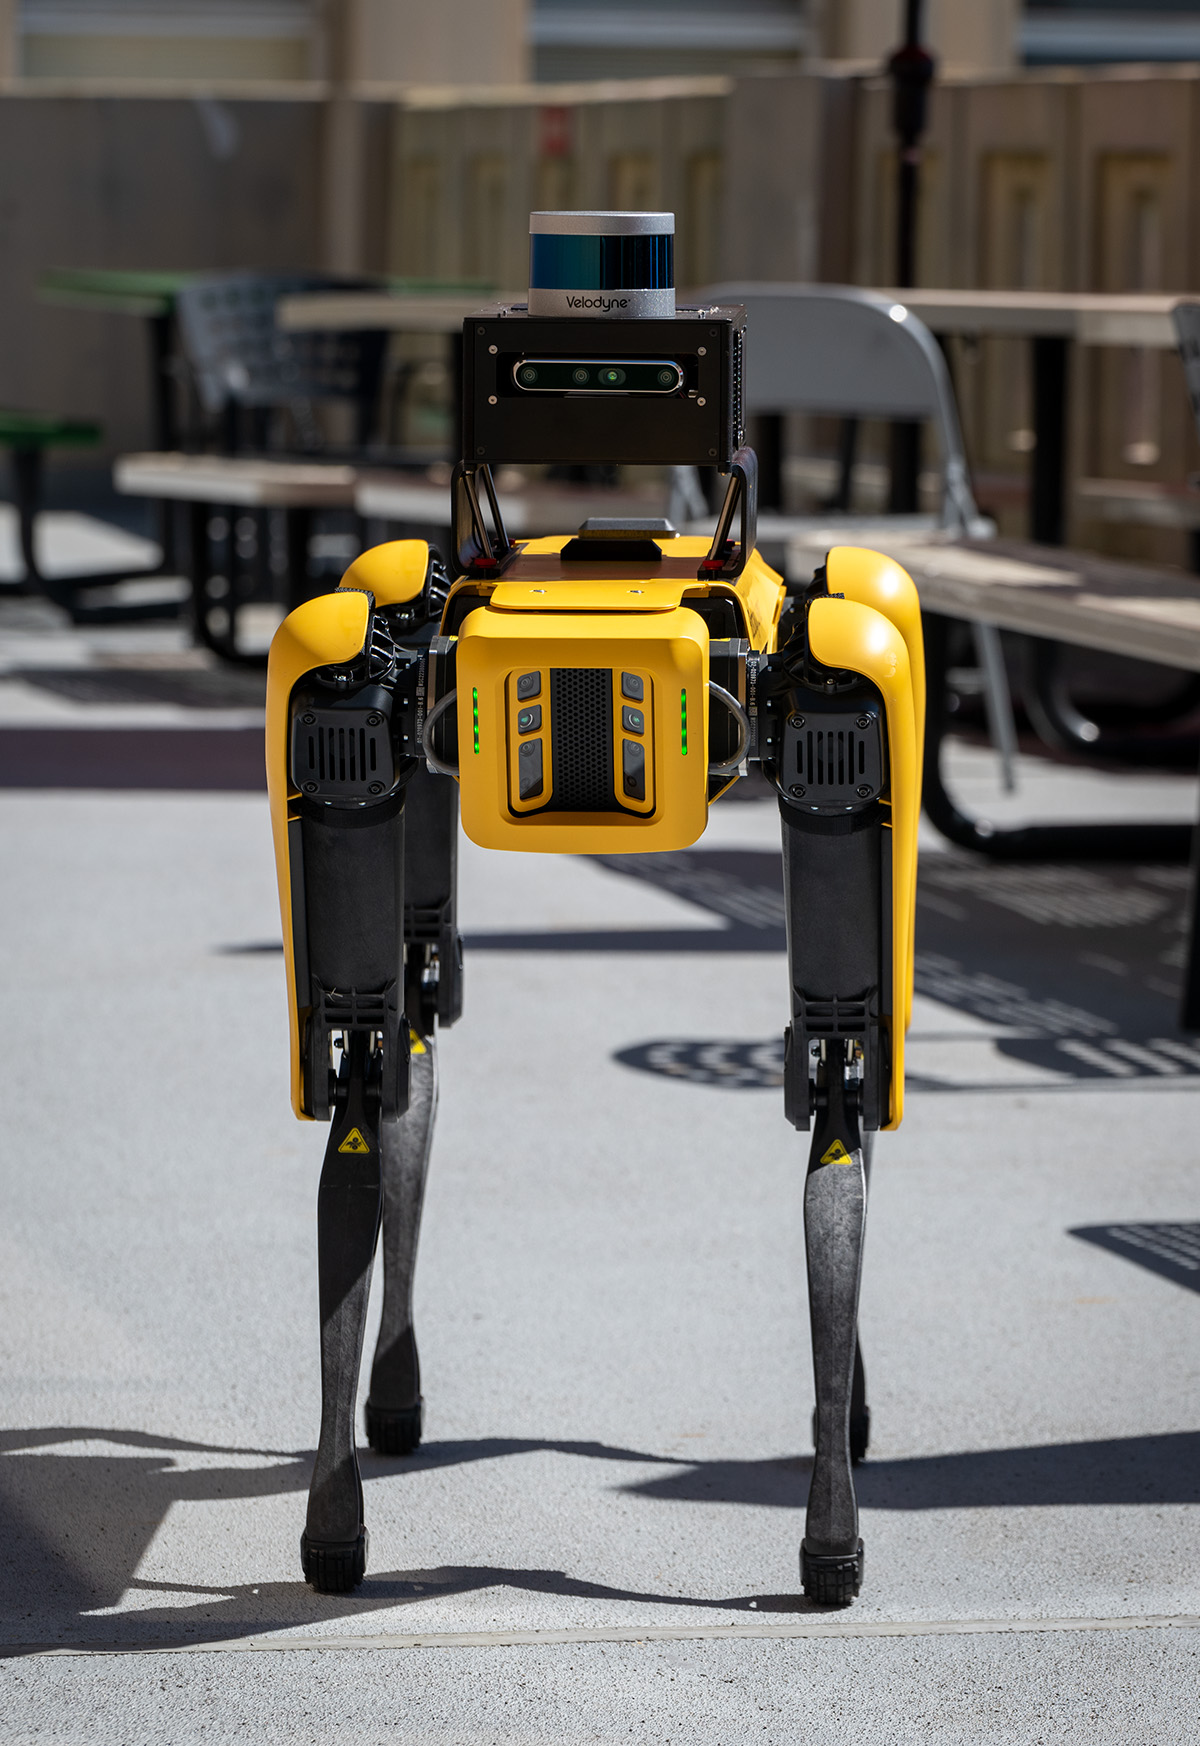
(636, 623)
(670, 646)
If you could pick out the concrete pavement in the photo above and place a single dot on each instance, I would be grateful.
(610, 1303)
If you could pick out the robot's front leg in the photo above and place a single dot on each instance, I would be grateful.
(839, 738)
(834, 874)
(835, 1211)
(333, 1548)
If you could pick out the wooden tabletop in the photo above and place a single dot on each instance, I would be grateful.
(1092, 318)
(1142, 610)
(405, 313)
(242, 483)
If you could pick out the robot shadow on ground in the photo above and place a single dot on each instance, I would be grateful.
(76, 1526)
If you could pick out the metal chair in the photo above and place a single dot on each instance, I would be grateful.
(264, 396)
(838, 351)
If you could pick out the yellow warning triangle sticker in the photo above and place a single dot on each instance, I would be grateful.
(836, 1154)
(354, 1142)
(416, 1046)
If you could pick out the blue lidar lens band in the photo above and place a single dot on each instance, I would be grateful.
(602, 263)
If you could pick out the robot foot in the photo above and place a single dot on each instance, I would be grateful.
(831, 1580)
(394, 1430)
(334, 1566)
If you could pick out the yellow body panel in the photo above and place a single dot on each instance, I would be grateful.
(759, 591)
(670, 647)
(762, 594)
(874, 580)
(322, 632)
(638, 594)
(393, 572)
(849, 635)
(604, 623)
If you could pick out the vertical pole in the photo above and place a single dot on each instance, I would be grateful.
(911, 70)
(768, 446)
(1048, 473)
(343, 146)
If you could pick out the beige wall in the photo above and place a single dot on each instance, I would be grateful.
(98, 182)
(442, 42)
(466, 176)
(967, 36)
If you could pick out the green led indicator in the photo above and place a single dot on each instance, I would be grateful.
(683, 722)
(475, 717)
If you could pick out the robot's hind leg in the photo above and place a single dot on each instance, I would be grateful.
(333, 1547)
(393, 1411)
(433, 997)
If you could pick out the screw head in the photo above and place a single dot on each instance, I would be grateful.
(797, 790)
(795, 721)
(492, 349)
(863, 791)
(308, 720)
(374, 720)
(492, 397)
(864, 721)
(376, 788)
(310, 788)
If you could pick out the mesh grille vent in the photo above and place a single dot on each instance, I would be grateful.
(582, 729)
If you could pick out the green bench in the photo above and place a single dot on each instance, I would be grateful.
(27, 436)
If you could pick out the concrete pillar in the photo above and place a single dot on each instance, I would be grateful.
(10, 46)
(369, 46)
(342, 145)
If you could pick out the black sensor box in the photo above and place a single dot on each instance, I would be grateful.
(660, 392)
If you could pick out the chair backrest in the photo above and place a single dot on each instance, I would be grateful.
(238, 356)
(836, 349)
(1186, 317)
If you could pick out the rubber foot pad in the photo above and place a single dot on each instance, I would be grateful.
(334, 1566)
(394, 1430)
(831, 1580)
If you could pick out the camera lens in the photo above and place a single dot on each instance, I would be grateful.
(667, 378)
(580, 377)
(525, 720)
(612, 377)
(527, 374)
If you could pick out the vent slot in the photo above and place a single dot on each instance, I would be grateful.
(833, 758)
(581, 727)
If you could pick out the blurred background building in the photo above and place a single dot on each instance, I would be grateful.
(393, 136)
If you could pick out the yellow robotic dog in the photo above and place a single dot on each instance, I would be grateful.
(583, 695)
